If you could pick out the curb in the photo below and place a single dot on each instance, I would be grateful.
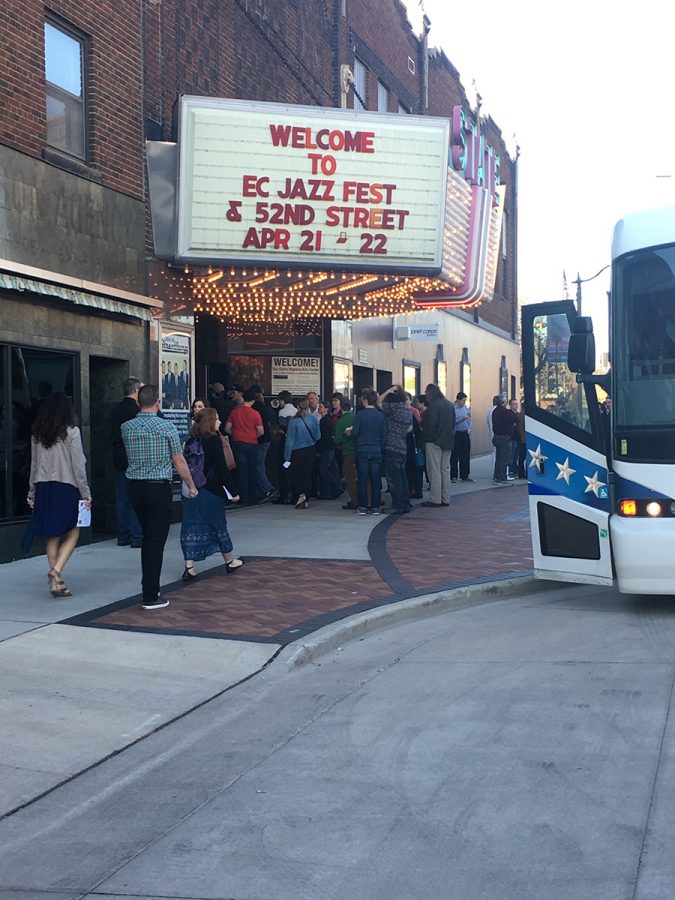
(334, 636)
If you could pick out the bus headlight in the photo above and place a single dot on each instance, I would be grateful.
(653, 508)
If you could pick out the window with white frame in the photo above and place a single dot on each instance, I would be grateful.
(403, 110)
(359, 84)
(382, 97)
(64, 74)
(504, 235)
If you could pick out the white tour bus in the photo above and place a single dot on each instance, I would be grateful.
(602, 486)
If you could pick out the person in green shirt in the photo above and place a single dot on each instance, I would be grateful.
(347, 444)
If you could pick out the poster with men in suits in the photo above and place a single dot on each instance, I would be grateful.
(175, 380)
(175, 371)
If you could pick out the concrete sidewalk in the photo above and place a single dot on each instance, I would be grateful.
(78, 692)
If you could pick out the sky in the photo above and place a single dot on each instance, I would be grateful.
(586, 88)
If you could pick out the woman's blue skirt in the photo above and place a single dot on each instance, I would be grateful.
(203, 531)
(56, 508)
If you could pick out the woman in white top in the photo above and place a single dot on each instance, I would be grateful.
(58, 481)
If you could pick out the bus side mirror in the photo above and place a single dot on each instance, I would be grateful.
(581, 352)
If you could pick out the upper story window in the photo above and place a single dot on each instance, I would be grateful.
(359, 84)
(403, 109)
(382, 97)
(64, 72)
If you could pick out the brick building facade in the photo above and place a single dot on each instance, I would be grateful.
(82, 86)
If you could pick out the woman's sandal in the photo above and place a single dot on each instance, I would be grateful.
(57, 585)
(233, 565)
(189, 574)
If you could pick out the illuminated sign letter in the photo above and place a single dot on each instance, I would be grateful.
(458, 139)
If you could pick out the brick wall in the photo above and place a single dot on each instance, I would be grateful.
(113, 81)
(276, 50)
(383, 39)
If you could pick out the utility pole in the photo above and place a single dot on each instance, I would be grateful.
(579, 281)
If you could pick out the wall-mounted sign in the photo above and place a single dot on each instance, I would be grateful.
(424, 332)
(310, 186)
(417, 332)
(297, 374)
(176, 377)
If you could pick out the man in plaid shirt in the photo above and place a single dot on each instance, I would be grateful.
(153, 450)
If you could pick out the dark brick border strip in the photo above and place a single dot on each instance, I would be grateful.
(380, 560)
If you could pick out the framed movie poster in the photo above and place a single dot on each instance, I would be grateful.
(175, 377)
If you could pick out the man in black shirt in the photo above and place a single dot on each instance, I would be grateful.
(502, 431)
(220, 403)
(129, 531)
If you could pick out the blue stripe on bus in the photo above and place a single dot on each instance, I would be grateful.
(558, 472)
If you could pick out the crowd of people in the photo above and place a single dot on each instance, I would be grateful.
(506, 426)
(323, 449)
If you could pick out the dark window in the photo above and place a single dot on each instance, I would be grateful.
(34, 373)
(643, 358)
(566, 535)
(360, 82)
(64, 74)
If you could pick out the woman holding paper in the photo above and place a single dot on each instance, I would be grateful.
(58, 481)
(204, 527)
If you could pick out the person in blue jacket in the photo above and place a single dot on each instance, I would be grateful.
(299, 450)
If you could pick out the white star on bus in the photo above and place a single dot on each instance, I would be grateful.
(537, 458)
(594, 484)
(565, 471)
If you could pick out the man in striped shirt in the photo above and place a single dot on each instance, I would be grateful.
(153, 450)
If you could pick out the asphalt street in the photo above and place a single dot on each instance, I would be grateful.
(514, 749)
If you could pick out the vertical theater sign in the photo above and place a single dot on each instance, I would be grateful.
(326, 212)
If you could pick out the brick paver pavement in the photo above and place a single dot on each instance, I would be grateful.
(482, 536)
(479, 537)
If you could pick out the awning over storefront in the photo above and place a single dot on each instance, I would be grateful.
(14, 282)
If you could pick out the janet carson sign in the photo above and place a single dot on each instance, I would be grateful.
(309, 186)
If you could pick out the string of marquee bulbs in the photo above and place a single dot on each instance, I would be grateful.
(256, 296)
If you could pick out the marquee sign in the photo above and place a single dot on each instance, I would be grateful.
(310, 186)
(347, 213)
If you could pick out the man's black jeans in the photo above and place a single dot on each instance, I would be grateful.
(151, 501)
(460, 460)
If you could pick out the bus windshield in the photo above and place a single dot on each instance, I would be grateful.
(643, 358)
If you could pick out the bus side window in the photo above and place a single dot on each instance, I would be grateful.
(556, 388)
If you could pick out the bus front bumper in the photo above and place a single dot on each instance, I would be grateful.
(644, 554)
